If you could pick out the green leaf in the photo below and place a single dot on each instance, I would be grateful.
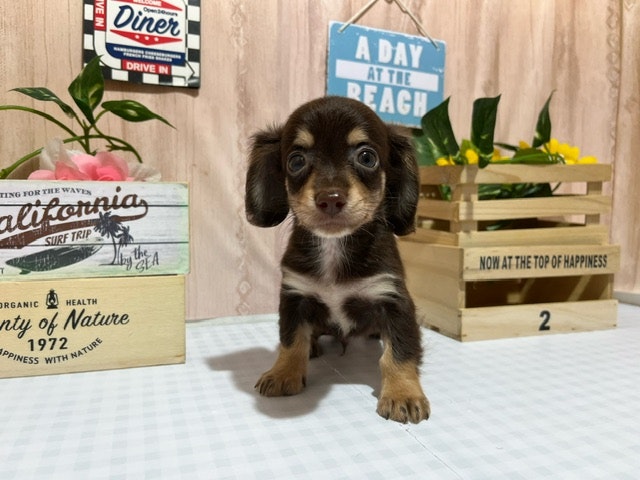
(87, 88)
(483, 125)
(507, 146)
(46, 95)
(537, 190)
(438, 137)
(132, 111)
(543, 127)
(423, 154)
(532, 156)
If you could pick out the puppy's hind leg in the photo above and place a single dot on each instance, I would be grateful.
(288, 376)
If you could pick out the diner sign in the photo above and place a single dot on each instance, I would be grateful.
(399, 76)
(145, 41)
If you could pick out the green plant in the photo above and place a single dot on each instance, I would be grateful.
(86, 90)
(437, 141)
(436, 144)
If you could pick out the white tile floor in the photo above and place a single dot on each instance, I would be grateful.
(560, 406)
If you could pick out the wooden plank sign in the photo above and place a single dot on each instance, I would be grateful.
(59, 326)
(52, 229)
(489, 263)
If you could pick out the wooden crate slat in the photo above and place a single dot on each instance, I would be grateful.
(537, 319)
(434, 273)
(507, 209)
(567, 235)
(513, 173)
(557, 205)
(508, 321)
(439, 209)
(492, 263)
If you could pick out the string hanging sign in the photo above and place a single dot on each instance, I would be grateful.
(397, 75)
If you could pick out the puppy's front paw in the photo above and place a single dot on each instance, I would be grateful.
(412, 409)
(278, 383)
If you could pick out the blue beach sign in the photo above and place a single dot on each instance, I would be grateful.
(399, 76)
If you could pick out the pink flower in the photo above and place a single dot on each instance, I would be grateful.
(105, 166)
(65, 171)
(60, 164)
(42, 175)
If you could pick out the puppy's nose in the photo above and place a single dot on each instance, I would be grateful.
(331, 202)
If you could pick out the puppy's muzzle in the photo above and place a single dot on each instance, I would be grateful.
(331, 202)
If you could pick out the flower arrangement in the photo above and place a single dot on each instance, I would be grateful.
(56, 162)
(436, 145)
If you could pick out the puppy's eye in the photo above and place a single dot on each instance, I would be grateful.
(368, 158)
(296, 163)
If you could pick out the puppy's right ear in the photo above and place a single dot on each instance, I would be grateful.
(265, 192)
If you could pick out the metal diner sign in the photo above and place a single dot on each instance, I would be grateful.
(399, 76)
(145, 41)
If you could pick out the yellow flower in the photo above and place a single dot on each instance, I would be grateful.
(522, 144)
(552, 146)
(497, 157)
(588, 159)
(471, 156)
(570, 154)
(444, 161)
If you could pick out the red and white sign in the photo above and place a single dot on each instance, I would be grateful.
(147, 41)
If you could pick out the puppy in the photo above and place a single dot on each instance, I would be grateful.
(350, 183)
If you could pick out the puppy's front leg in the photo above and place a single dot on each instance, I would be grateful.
(288, 375)
(401, 395)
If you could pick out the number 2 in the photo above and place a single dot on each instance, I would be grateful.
(546, 316)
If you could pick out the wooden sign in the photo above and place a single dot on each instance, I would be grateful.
(486, 263)
(52, 229)
(60, 326)
(399, 76)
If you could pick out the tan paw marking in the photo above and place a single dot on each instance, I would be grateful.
(401, 397)
(404, 410)
(276, 384)
(288, 375)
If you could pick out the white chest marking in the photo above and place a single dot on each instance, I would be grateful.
(333, 294)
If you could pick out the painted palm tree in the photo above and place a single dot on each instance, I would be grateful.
(109, 227)
(124, 237)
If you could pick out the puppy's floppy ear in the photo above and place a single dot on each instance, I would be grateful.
(403, 183)
(265, 192)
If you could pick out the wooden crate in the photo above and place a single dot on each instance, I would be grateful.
(74, 325)
(548, 269)
(65, 229)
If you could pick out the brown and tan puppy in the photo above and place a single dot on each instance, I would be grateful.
(351, 183)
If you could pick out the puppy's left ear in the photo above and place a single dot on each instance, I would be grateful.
(403, 184)
(266, 203)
